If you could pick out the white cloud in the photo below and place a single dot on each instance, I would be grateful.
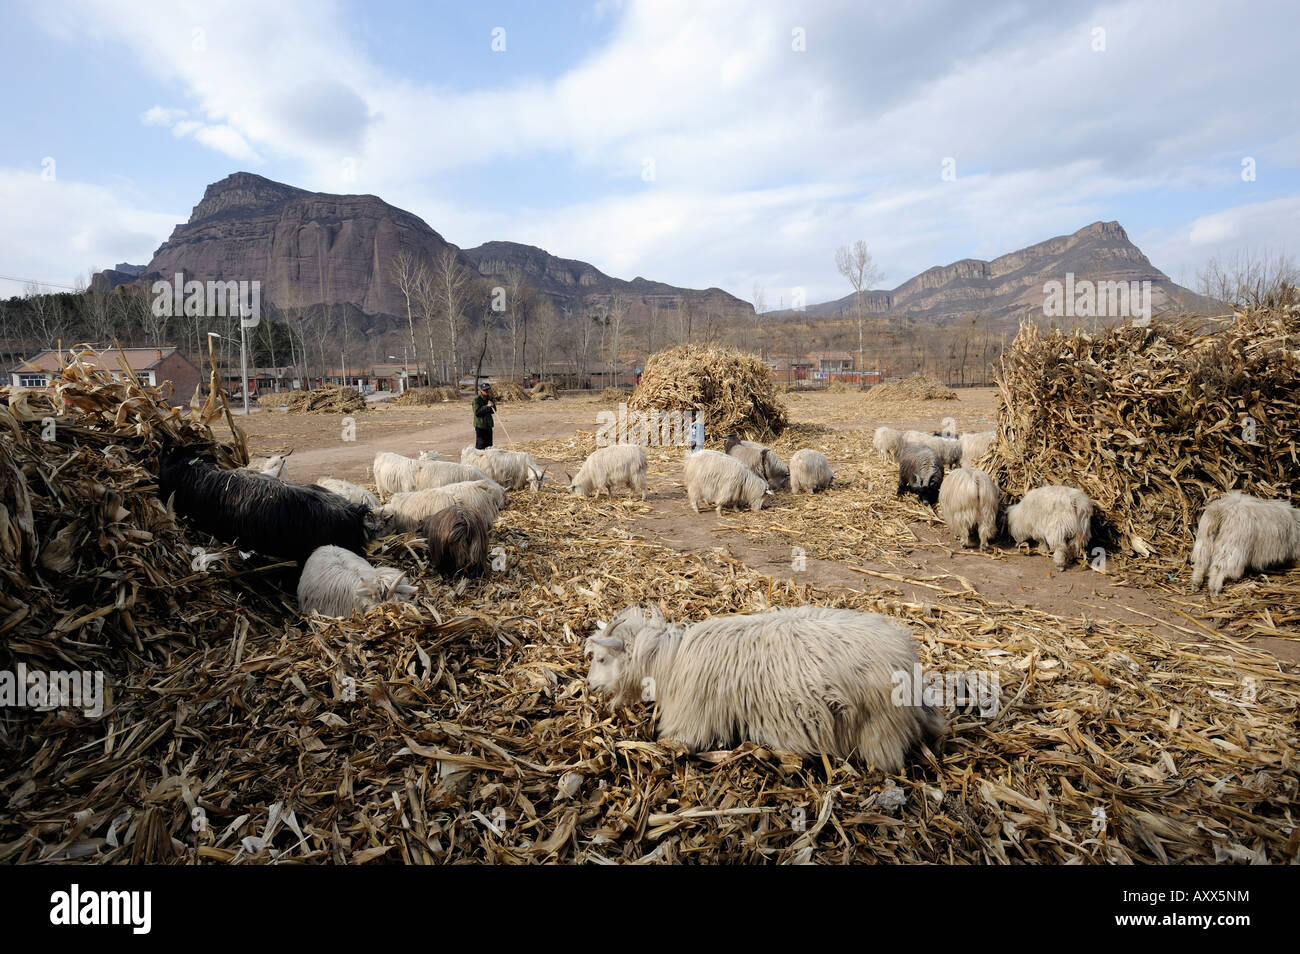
(71, 229)
(766, 158)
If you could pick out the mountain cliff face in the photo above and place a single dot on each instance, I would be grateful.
(305, 247)
(1009, 286)
(311, 248)
(568, 282)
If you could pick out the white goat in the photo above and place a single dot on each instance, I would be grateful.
(975, 445)
(273, 466)
(430, 455)
(513, 470)
(948, 428)
(407, 511)
(969, 500)
(1237, 533)
(887, 442)
(948, 450)
(618, 465)
(395, 474)
(350, 492)
(761, 459)
(1059, 518)
(719, 480)
(337, 582)
(810, 472)
(807, 679)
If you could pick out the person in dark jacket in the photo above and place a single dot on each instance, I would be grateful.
(484, 406)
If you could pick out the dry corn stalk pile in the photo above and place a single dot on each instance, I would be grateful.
(331, 399)
(614, 395)
(508, 391)
(1153, 423)
(461, 729)
(733, 390)
(420, 397)
(919, 387)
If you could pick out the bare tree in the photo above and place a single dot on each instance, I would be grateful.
(1246, 277)
(406, 272)
(650, 327)
(615, 317)
(452, 285)
(855, 264)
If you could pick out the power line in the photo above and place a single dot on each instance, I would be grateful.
(36, 281)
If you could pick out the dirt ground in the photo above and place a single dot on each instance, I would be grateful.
(928, 567)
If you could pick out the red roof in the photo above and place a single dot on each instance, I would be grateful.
(139, 359)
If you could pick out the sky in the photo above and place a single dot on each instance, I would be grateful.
(729, 144)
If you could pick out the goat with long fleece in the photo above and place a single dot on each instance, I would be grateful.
(761, 459)
(887, 442)
(975, 444)
(337, 582)
(947, 449)
(1059, 518)
(1237, 533)
(513, 470)
(969, 501)
(720, 480)
(395, 474)
(919, 472)
(259, 512)
(273, 466)
(408, 511)
(808, 679)
(457, 539)
(617, 465)
(810, 472)
(350, 492)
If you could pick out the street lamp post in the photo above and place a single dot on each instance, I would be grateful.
(243, 359)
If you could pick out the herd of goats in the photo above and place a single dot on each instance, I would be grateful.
(806, 679)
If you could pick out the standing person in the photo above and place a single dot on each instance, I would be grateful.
(484, 406)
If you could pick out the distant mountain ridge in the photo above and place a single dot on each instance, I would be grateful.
(1010, 286)
(309, 248)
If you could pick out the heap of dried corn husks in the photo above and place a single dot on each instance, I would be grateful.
(1154, 422)
(918, 387)
(507, 391)
(331, 399)
(544, 391)
(733, 390)
(420, 397)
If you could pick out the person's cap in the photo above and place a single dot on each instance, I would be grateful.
(485, 386)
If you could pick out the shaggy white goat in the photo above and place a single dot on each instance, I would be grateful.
(975, 445)
(273, 466)
(350, 492)
(810, 472)
(337, 582)
(1059, 518)
(407, 511)
(969, 500)
(395, 474)
(719, 480)
(430, 455)
(887, 442)
(1237, 533)
(948, 428)
(513, 470)
(948, 450)
(618, 465)
(806, 679)
(761, 459)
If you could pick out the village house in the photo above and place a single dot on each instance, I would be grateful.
(154, 366)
